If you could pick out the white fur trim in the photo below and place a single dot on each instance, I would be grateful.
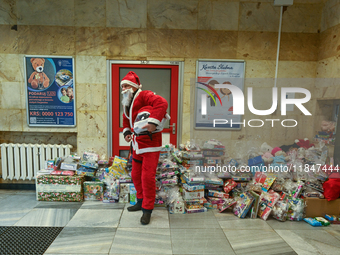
(131, 106)
(152, 120)
(150, 149)
(130, 83)
(126, 129)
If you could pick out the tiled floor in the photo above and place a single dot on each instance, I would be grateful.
(99, 228)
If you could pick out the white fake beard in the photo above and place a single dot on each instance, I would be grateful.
(127, 97)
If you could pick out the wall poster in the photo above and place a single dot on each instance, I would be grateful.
(50, 91)
(213, 100)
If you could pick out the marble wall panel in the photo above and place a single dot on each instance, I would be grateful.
(329, 43)
(190, 67)
(297, 69)
(330, 14)
(186, 99)
(259, 16)
(256, 45)
(46, 40)
(11, 68)
(91, 97)
(42, 138)
(111, 42)
(172, 43)
(328, 68)
(89, 13)
(299, 46)
(92, 124)
(126, 42)
(91, 41)
(11, 95)
(186, 127)
(90, 69)
(8, 39)
(126, 13)
(218, 15)
(295, 1)
(260, 69)
(8, 12)
(97, 144)
(11, 120)
(302, 18)
(174, 14)
(259, 83)
(217, 44)
(46, 12)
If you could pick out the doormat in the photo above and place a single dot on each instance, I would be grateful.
(27, 240)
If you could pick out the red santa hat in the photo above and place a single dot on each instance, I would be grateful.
(131, 79)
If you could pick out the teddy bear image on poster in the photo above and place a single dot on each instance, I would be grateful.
(40, 73)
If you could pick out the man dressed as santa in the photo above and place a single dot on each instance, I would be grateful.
(143, 118)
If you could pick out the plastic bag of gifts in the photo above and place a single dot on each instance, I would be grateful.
(175, 201)
(243, 204)
(280, 210)
(296, 208)
(267, 202)
(118, 167)
(111, 187)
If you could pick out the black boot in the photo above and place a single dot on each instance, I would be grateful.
(136, 207)
(145, 220)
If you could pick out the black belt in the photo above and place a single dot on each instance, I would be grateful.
(144, 133)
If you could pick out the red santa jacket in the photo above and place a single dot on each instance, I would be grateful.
(159, 105)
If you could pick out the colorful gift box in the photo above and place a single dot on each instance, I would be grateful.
(93, 191)
(59, 188)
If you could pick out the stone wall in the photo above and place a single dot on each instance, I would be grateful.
(96, 31)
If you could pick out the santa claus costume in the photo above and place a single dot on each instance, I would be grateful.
(148, 108)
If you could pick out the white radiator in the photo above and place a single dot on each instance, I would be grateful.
(23, 161)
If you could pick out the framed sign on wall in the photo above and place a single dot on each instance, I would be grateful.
(50, 91)
(213, 98)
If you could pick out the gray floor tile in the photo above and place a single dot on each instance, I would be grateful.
(205, 220)
(101, 205)
(47, 217)
(159, 219)
(95, 218)
(334, 232)
(257, 242)
(141, 240)
(18, 202)
(297, 243)
(245, 224)
(321, 240)
(59, 205)
(9, 218)
(83, 241)
(291, 225)
(225, 216)
(199, 241)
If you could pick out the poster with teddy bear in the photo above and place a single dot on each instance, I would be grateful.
(50, 91)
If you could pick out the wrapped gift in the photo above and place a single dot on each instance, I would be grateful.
(93, 191)
(59, 188)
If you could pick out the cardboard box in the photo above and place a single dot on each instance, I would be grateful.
(59, 188)
(316, 207)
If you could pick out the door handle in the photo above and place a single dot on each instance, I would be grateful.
(173, 128)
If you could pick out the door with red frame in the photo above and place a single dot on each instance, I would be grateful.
(163, 79)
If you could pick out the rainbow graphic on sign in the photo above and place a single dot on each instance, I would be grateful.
(209, 93)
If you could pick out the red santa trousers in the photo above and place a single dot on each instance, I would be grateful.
(143, 176)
